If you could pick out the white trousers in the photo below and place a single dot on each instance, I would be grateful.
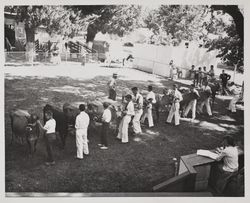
(149, 116)
(232, 104)
(123, 129)
(81, 143)
(174, 111)
(136, 121)
(191, 106)
(206, 102)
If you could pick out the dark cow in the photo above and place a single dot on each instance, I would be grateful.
(24, 126)
(61, 122)
(32, 133)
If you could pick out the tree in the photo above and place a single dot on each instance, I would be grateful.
(56, 19)
(180, 22)
(112, 19)
(230, 40)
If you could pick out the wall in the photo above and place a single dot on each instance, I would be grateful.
(155, 59)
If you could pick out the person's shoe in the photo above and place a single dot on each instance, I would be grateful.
(103, 147)
(100, 145)
(78, 158)
(85, 154)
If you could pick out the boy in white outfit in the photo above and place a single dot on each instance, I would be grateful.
(175, 107)
(124, 124)
(82, 123)
(49, 136)
(150, 99)
(138, 105)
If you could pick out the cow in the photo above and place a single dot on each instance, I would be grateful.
(24, 126)
(61, 122)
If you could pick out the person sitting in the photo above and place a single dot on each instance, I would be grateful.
(229, 154)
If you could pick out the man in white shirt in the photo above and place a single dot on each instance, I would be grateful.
(236, 96)
(230, 165)
(175, 107)
(106, 118)
(138, 105)
(82, 123)
(124, 124)
(206, 101)
(112, 87)
(150, 99)
(49, 136)
(192, 104)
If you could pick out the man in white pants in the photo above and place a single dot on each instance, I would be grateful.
(207, 92)
(236, 96)
(174, 111)
(150, 98)
(194, 94)
(82, 123)
(138, 104)
(124, 124)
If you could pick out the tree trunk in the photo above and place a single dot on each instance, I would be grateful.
(91, 33)
(30, 44)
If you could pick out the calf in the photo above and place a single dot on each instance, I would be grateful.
(24, 126)
(32, 133)
(61, 122)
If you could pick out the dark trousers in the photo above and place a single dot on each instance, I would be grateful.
(112, 94)
(104, 134)
(49, 139)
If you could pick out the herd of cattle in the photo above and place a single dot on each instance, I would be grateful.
(24, 125)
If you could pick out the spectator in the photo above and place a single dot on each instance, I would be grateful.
(204, 76)
(191, 72)
(224, 80)
(211, 72)
(112, 87)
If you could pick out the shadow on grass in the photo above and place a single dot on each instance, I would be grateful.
(132, 167)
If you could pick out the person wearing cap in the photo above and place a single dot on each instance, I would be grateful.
(124, 124)
(174, 111)
(106, 118)
(229, 154)
(194, 95)
(112, 87)
(207, 92)
(81, 125)
(150, 100)
(138, 105)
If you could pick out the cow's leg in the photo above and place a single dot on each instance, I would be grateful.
(35, 143)
(29, 147)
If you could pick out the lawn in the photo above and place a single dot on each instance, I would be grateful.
(132, 167)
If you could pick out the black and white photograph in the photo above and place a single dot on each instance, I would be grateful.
(124, 100)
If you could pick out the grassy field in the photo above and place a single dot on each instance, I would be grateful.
(132, 167)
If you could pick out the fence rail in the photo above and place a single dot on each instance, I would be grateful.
(27, 58)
